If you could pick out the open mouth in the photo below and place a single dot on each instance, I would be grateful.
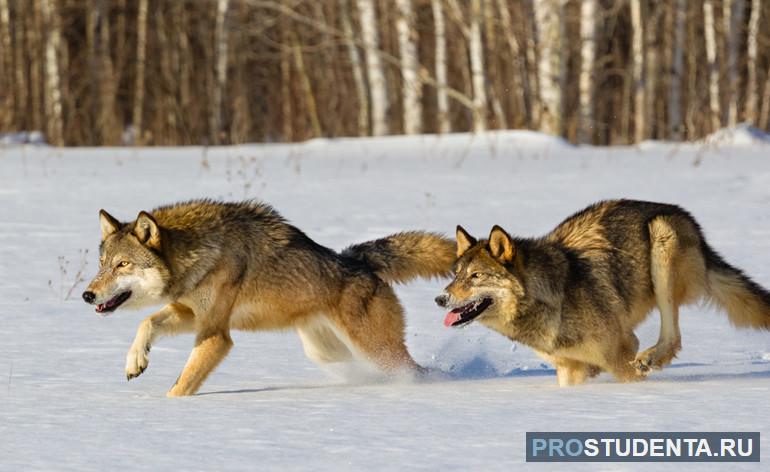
(113, 303)
(465, 314)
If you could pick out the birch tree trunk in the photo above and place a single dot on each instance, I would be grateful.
(733, 17)
(533, 76)
(547, 19)
(8, 105)
(677, 65)
(411, 86)
(588, 12)
(92, 103)
(141, 50)
(694, 111)
(220, 41)
(752, 88)
(53, 95)
(358, 72)
(21, 64)
(637, 71)
(164, 124)
(107, 119)
(34, 27)
(496, 85)
(442, 99)
(651, 75)
(120, 37)
(764, 114)
(307, 88)
(709, 30)
(287, 116)
(377, 85)
(477, 69)
(519, 79)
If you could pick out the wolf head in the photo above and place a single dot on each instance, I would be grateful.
(131, 273)
(486, 285)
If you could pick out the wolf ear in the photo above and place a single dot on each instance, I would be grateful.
(109, 224)
(501, 245)
(464, 241)
(147, 231)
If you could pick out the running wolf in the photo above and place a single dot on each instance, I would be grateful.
(576, 294)
(222, 266)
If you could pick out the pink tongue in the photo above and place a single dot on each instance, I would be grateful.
(451, 318)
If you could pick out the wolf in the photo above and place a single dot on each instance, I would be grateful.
(576, 294)
(220, 266)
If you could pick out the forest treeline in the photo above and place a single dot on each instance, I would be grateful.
(176, 72)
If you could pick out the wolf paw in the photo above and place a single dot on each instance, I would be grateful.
(136, 361)
(654, 358)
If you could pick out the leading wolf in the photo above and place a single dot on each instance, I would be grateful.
(577, 294)
(222, 266)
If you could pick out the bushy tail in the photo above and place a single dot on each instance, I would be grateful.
(403, 256)
(746, 302)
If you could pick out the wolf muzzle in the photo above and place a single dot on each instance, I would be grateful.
(89, 296)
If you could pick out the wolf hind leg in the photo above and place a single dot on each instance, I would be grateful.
(173, 318)
(374, 324)
(619, 359)
(667, 262)
(571, 372)
(321, 343)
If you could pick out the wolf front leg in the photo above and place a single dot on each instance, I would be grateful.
(210, 349)
(213, 342)
(173, 318)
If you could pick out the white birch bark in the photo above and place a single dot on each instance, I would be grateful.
(709, 29)
(752, 87)
(377, 85)
(141, 50)
(358, 72)
(588, 12)
(733, 19)
(637, 72)
(442, 99)
(548, 33)
(411, 86)
(478, 78)
(220, 41)
(52, 95)
(677, 64)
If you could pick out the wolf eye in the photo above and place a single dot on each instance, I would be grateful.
(123, 263)
(476, 275)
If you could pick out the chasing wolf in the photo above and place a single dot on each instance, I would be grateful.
(576, 294)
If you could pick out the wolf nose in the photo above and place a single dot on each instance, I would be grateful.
(441, 300)
(89, 297)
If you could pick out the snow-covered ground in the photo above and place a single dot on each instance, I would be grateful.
(65, 403)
